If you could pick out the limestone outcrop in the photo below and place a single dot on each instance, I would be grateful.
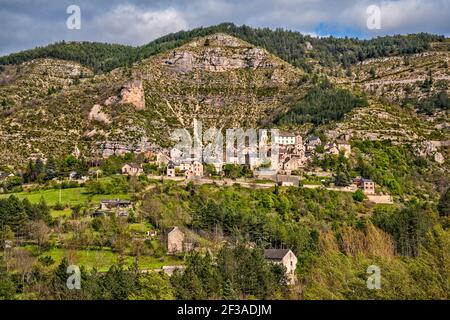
(97, 114)
(133, 93)
(220, 53)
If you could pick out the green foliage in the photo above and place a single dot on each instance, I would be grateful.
(153, 286)
(15, 213)
(396, 167)
(38, 171)
(337, 275)
(323, 103)
(235, 273)
(7, 285)
(342, 171)
(235, 171)
(439, 101)
(114, 185)
(113, 164)
(444, 204)
(408, 226)
(359, 195)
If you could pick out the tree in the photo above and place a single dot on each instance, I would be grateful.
(153, 286)
(7, 286)
(358, 195)
(444, 204)
(40, 233)
(342, 177)
(372, 73)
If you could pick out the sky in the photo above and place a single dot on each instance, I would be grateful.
(25, 24)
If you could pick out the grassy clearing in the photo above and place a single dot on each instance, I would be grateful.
(68, 196)
(103, 259)
(60, 213)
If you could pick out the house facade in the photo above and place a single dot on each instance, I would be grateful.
(171, 169)
(175, 240)
(344, 146)
(288, 181)
(190, 169)
(366, 185)
(285, 138)
(284, 257)
(132, 169)
(312, 142)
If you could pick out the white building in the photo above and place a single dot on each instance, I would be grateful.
(285, 138)
(284, 257)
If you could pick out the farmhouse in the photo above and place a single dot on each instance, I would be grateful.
(367, 185)
(288, 181)
(132, 169)
(284, 257)
(175, 240)
(113, 205)
(191, 169)
(292, 164)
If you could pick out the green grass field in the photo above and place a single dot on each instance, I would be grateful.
(103, 259)
(68, 196)
(60, 213)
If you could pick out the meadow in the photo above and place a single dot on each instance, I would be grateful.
(68, 197)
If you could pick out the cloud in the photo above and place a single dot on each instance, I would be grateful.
(131, 25)
(26, 23)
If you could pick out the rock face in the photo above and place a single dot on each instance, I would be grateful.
(220, 53)
(429, 149)
(97, 114)
(232, 84)
(218, 80)
(133, 93)
(439, 158)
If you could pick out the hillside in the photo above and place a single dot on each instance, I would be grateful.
(220, 80)
(371, 189)
(407, 78)
(60, 107)
(302, 51)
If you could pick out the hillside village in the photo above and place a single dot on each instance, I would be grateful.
(294, 157)
(356, 177)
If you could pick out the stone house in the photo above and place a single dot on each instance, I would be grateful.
(284, 257)
(4, 176)
(292, 164)
(192, 169)
(331, 148)
(312, 142)
(288, 181)
(162, 159)
(132, 169)
(367, 185)
(345, 146)
(115, 205)
(175, 240)
(171, 169)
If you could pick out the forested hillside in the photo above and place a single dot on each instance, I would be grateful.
(291, 46)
